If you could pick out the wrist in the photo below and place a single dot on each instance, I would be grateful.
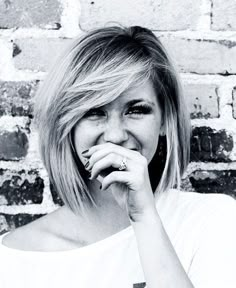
(147, 217)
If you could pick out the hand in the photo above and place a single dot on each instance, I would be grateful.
(130, 187)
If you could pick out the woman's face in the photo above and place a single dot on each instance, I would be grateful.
(133, 121)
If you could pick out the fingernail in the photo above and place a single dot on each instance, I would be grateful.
(85, 151)
(86, 165)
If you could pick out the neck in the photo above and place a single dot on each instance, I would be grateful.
(107, 212)
(99, 222)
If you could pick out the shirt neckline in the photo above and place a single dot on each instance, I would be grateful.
(103, 242)
(125, 233)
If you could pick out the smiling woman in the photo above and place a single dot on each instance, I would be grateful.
(97, 69)
(129, 122)
(114, 136)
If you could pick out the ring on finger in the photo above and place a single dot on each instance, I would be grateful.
(123, 164)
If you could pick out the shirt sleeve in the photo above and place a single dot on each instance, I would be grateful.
(214, 262)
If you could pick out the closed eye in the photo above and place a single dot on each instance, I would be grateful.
(94, 112)
(139, 109)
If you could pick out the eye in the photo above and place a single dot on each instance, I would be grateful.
(96, 112)
(139, 110)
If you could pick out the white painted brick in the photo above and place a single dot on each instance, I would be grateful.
(6, 64)
(69, 17)
(156, 15)
(203, 56)
(38, 54)
(202, 100)
(234, 105)
(28, 13)
(223, 15)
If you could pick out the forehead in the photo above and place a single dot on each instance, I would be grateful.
(144, 92)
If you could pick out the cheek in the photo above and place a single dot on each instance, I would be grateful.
(150, 139)
(151, 144)
(80, 139)
(84, 137)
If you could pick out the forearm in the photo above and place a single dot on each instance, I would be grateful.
(160, 263)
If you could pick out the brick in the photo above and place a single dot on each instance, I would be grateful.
(214, 181)
(56, 198)
(16, 98)
(38, 54)
(21, 187)
(202, 56)
(139, 285)
(16, 50)
(13, 145)
(234, 102)
(202, 99)
(156, 15)
(30, 13)
(6, 65)
(9, 222)
(3, 224)
(208, 144)
(223, 15)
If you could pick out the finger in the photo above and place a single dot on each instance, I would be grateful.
(106, 164)
(102, 154)
(116, 177)
(105, 149)
(108, 146)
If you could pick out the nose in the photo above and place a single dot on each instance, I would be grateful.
(115, 131)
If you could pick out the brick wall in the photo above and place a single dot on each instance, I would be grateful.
(199, 35)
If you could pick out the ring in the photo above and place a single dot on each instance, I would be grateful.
(123, 164)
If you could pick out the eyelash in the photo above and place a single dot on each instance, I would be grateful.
(138, 110)
(94, 112)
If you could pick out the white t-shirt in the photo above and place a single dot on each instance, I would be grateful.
(201, 227)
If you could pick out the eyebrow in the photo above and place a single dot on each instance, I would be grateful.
(135, 101)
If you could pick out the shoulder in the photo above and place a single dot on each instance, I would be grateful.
(52, 232)
(42, 234)
(199, 208)
(213, 255)
(210, 210)
(26, 237)
(207, 202)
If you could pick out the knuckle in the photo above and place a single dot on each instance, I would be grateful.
(136, 152)
(92, 159)
(112, 156)
(95, 166)
(143, 160)
(113, 176)
(110, 145)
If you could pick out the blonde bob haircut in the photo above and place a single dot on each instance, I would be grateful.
(94, 70)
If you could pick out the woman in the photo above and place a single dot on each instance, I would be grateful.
(114, 137)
